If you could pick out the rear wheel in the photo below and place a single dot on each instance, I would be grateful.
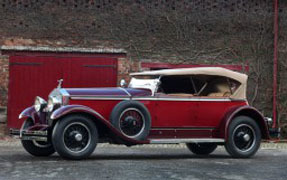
(75, 137)
(201, 148)
(244, 137)
(36, 148)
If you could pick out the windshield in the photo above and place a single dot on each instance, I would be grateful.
(144, 82)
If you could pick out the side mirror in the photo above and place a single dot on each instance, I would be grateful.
(123, 83)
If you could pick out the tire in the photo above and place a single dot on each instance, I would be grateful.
(244, 137)
(201, 148)
(132, 119)
(36, 148)
(75, 137)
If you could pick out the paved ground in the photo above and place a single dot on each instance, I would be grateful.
(146, 162)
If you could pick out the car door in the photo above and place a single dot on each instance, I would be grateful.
(177, 117)
(175, 111)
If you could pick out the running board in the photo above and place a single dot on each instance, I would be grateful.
(192, 140)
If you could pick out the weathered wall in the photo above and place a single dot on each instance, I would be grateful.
(188, 31)
(4, 72)
(282, 66)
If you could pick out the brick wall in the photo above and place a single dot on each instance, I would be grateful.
(4, 75)
(125, 67)
(193, 32)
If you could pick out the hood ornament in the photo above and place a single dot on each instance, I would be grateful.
(60, 82)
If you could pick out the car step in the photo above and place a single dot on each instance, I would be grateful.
(189, 140)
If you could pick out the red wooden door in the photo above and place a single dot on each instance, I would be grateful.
(32, 76)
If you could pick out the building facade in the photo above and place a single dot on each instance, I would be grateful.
(211, 32)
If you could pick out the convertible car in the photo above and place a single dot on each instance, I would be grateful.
(201, 107)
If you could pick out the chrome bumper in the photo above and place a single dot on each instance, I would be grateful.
(30, 135)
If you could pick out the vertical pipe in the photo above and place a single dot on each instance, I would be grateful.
(275, 63)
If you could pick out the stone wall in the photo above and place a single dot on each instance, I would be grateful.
(196, 31)
(4, 73)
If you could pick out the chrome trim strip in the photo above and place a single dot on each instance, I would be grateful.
(190, 140)
(98, 98)
(112, 97)
(123, 89)
(183, 99)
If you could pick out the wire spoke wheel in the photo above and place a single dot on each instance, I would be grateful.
(244, 137)
(132, 122)
(77, 137)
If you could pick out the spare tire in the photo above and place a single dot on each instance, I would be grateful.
(132, 119)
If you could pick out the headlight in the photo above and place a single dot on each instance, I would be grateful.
(52, 102)
(39, 104)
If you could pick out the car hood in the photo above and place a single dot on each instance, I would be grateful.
(107, 91)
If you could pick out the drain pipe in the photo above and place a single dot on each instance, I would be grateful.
(275, 64)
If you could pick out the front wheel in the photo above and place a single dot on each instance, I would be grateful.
(36, 148)
(201, 148)
(244, 137)
(75, 137)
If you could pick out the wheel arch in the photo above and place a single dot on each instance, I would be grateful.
(250, 112)
(71, 110)
(92, 114)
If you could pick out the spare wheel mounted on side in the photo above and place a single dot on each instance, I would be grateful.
(132, 119)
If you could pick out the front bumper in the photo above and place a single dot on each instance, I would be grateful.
(37, 135)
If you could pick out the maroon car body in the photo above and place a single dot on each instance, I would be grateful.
(202, 107)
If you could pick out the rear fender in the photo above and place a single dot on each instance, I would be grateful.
(69, 109)
(246, 111)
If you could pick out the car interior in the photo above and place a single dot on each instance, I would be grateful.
(197, 85)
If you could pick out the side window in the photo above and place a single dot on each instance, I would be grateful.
(176, 85)
(220, 87)
(198, 85)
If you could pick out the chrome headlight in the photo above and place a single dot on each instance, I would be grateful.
(39, 104)
(53, 102)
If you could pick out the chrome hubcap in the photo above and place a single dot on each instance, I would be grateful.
(78, 137)
(244, 137)
(132, 122)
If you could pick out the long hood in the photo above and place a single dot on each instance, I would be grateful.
(129, 92)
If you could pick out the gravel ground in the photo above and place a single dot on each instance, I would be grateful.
(8, 141)
(144, 162)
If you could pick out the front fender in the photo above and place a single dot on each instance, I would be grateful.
(64, 110)
(68, 109)
(31, 113)
(246, 111)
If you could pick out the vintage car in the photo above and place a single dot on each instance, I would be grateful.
(202, 107)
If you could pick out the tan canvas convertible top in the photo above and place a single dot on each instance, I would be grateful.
(213, 71)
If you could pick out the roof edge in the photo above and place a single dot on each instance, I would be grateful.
(219, 71)
(62, 49)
